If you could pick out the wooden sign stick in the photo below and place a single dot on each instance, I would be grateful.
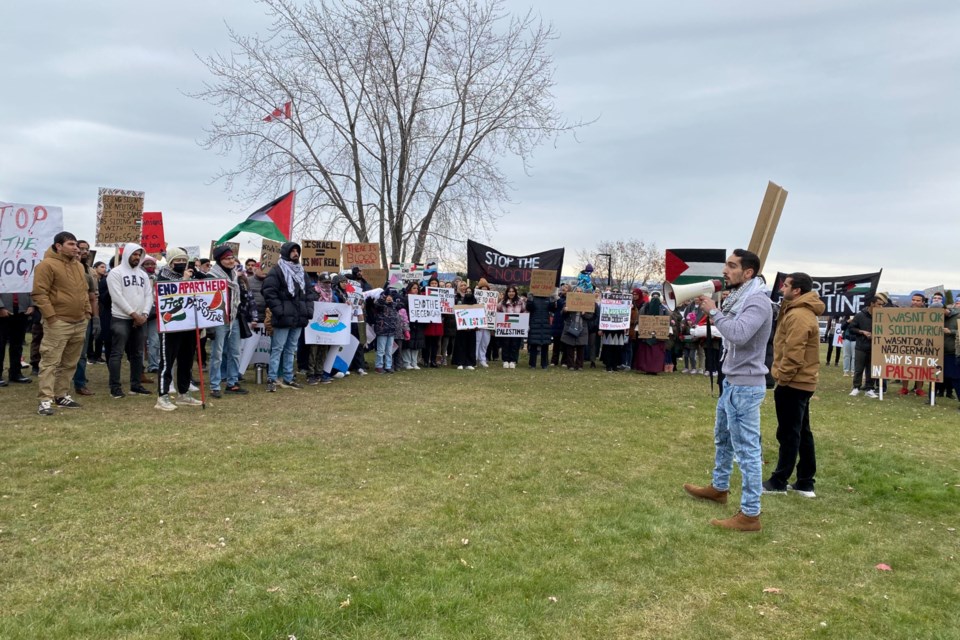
(767, 221)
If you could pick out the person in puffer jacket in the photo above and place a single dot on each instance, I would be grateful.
(290, 300)
(387, 325)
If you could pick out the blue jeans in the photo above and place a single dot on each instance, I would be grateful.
(737, 432)
(384, 352)
(283, 349)
(224, 355)
(153, 345)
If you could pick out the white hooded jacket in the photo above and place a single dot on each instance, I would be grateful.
(130, 287)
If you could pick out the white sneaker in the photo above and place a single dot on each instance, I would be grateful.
(362, 372)
(408, 367)
(483, 364)
(416, 368)
(460, 368)
(855, 392)
(164, 404)
(513, 365)
(685, 371)
(871, 394)
(805, 494)
(506, 365)
(700, 371)
(188, 400)
(469, 368)
(193, 388)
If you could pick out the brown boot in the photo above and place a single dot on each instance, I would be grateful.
(145, 379)
(707, 493)
(739, 522)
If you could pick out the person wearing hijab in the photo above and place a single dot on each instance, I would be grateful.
(290, 301)
(651, 348)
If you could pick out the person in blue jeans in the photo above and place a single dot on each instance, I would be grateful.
(225, 350)
(387, 326)
(744, 320)
(290, 299)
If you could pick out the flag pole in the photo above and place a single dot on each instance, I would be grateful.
(196, 329)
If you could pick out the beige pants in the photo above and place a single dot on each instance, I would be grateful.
(59, 353)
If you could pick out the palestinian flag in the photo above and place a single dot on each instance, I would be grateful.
(273, 221)
(684, 266)
(853, 288)
(511, 318)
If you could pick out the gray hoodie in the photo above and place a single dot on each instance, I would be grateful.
(745, 337)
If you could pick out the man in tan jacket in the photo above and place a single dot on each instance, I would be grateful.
(796, 369)
(60, 293)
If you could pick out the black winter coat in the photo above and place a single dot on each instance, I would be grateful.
(286, 310)
(539, 309)
(863, 321)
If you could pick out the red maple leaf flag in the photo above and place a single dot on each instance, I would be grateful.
(280, 114)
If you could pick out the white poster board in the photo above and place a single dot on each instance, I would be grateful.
(424, 309)
(186, 305)
(26, 232)
(330, 324)
(489, 300)
(470, 316)
(513, 325)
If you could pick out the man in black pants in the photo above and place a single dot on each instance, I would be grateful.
(796, 369)
(862, 328)
(175, 346)
(16, 311)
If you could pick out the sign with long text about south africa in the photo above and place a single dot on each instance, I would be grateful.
(151, 233)
(512, 325)
(499, 268)
(907, 344)
(614, 314)
(186, 305)
(269, 254)
(470, 316)
(447, 298)
(330, 324)
(26, 232)
(118, 216)
(424, 309)
(842, 295)
(320, 255)
(582, 302)
(365, 255)
(234, 248)
(653, 327)
(543, 282)
(489, 300)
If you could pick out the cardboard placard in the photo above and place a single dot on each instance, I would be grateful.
(907, 344)
(375, 277)
(362, 254)
(320, 255)
(543, 282)
(269, 254)
(582, 302)
(118, 216)
(151, 233)
(26, 232)
(653, 326)
(234, 247)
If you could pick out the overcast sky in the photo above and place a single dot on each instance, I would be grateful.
(851, 106)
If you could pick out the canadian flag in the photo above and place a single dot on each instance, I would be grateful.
(279, 113)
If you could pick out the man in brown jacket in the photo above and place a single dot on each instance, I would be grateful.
(60, 293)
(796, 369)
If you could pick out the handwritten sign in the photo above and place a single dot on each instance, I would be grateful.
(151, 233)
(362, 254)
(614, 314)
(425, 309)
(269, 254)
(582, 302)
(118, 216)
(255, 349)
(330, 324)
(191, 304)
(543, 282)
(489, 300)
(907, 344)
(26, 232)
(234, 247)
(470, 316)
(320, 255)
(655, 326)
(447, 298)
(375, 277)
(193, 251)
(513, 325)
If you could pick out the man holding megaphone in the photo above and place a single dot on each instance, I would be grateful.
(745, 319)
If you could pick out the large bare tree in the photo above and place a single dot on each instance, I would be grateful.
(633, 262)
(401, 112)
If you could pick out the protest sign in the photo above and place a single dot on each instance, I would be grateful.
(395, 274)
(470, 316)
(907, 344)
(193, 251)
(330, 324)
(655, 326)
(151, 233)
(339, 356)
(424, 309)
(361, 254)
(118, 216)
(320, 255)
(614, 314)
(269, 254)
(407, 271)
(356, 299)
(842, 295)
(447, 298)
(375, 277)
(186, 305)
(26, 232)
(513, 325)
(489, 300)
(838, 336)
(499, 268)
(234, 247)
(582, 302)
(543, 282)
(929, 291)
(255, 349)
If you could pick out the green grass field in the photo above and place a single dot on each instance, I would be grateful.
(456, 504)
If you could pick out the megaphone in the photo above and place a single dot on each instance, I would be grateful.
(676, 295)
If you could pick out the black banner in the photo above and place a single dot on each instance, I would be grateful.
(498, 268)
(843, 295)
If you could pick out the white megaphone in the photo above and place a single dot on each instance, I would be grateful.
(676, 294)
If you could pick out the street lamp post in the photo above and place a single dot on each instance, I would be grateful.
(609, 267)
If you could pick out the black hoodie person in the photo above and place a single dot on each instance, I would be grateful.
(290, 301)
